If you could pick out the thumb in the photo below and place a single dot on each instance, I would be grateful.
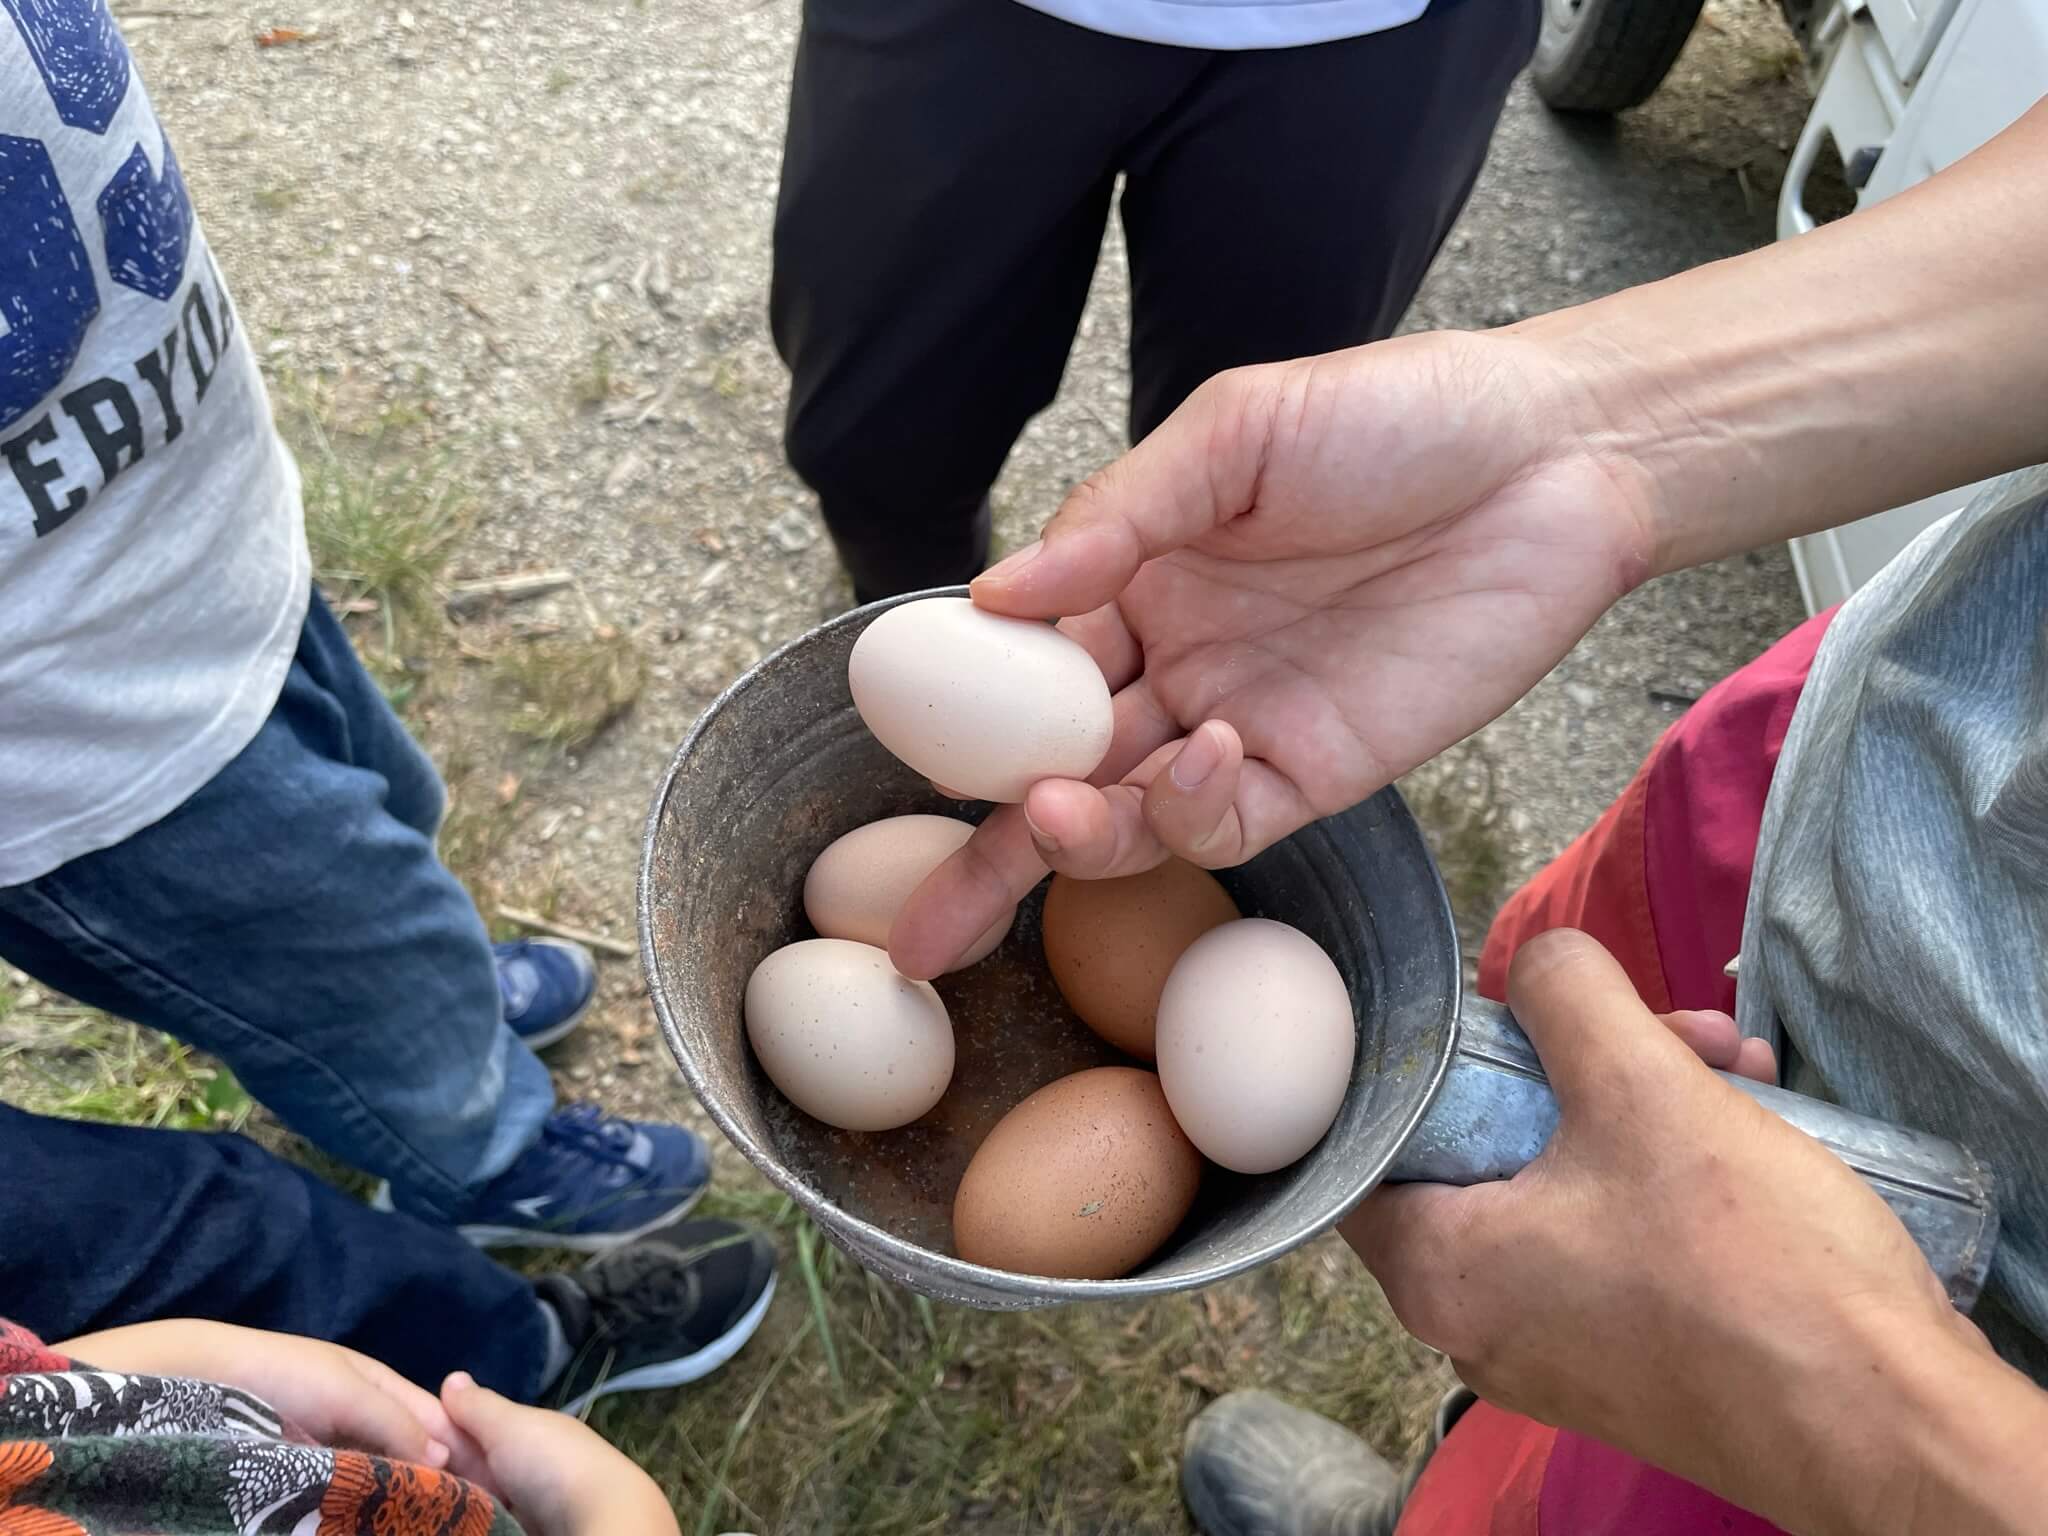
(479, 1412)
(1597, 1039)
(1197, 470)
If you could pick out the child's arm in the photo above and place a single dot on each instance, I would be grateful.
(334, 1395)
(557, 1476)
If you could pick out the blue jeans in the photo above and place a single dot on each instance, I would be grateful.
(105, 1225)
(293, 918)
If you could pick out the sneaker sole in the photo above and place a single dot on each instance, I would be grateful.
(680, 1373)
(539, 1237)
(578, 1242)
(555, 1034)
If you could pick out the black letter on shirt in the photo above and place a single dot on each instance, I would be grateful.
(201, 375)
(108, 444)
(36, 479)
(156, 373)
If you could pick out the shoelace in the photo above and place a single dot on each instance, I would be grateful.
(643, 1285)
(589, 1130)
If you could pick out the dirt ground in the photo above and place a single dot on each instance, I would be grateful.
(507, 270)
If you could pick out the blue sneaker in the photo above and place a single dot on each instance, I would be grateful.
(547, 986)
(591, 1183)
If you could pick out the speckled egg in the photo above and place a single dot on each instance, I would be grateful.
(1083, 1180)
(848, 1039)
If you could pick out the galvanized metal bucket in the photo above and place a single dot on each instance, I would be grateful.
(1443, 1088)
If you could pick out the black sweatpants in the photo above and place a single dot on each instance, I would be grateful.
(945, 184)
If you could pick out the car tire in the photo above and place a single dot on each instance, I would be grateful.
(1608, 55)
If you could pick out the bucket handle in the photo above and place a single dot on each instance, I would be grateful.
(1495, 1111)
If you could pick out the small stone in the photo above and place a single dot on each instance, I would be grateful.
(1581, 695)
(623, 473)
(793, 532)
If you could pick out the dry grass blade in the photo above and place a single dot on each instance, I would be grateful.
(715, 1497)
(565, 691)
(814, 1287)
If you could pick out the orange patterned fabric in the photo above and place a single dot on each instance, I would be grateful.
(368, 1497)
(21, 1463)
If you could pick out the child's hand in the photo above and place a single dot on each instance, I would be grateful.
(336, 1396)
(557, 1475)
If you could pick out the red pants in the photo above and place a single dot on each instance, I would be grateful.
(1661, 879)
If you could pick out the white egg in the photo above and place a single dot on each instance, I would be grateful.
(984, 704)
(859, 884)
(846, 1038)
(1255, 1043)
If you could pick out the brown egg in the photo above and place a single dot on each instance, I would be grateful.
(1112, 944)
(1083, 1180)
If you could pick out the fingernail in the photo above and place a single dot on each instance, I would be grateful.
(458, 1381)
(1197, 760)
(1046, 842)
(437, 1454)
(1011, 564)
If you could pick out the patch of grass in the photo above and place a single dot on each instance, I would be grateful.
(1456, 799)
(381, 532)
(275, 198)
(558, 81)
(598, 381)
(653, 187)
(945, 1419)
(58, 1058)
(565, 691)
(383, 515)
(1776, 58)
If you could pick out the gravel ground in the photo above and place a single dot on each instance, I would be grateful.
(547, 226)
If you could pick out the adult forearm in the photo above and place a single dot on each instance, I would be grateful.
(1882, 358)
(1956, 1440)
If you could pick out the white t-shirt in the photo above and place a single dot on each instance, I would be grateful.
(1234, 24)
(153, 567)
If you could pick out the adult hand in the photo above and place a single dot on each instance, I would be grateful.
(1311, 578)
(1683, 1275)
(335, 1395)
(555, 1473)
(1316, 575)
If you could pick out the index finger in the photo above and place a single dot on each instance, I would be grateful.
(423, 1405)
(997, 867)
(1422, 1243)
(377, 1422)
(958, 902)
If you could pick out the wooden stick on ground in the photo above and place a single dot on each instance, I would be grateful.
(465, 596)
(596, 941)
